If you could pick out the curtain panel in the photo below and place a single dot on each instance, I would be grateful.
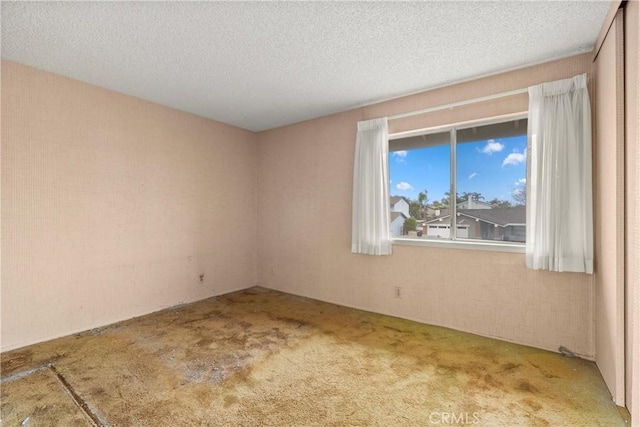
(371, 232)
(559, 182)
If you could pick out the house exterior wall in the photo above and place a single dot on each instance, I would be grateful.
(488, 293)
(112, 206)
(515, 233)
(396, 226)
(401, 206)
(473, 204)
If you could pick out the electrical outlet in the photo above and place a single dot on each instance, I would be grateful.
(398, 292)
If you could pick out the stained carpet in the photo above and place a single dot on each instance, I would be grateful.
(260, 357)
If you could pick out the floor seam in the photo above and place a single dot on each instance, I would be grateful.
(79, 401)
(23, 374)
(84, 407)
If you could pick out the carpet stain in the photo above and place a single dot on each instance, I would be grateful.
(21, 361)
(260, 357)
(527, 387)
(229, 400)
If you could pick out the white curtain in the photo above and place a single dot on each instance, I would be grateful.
(370, 227)
(559, 197)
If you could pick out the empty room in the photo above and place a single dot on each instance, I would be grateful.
(320, 213)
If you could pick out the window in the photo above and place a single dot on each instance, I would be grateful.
(483, 165)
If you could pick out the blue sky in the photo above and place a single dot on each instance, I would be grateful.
(495, 168)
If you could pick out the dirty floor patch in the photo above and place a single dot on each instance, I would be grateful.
(38, 398)
(261, 357)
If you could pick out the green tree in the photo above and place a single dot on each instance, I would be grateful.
(414, 208)
(423, 200)
(445, 199)
(447, 196)
(410, 224)
(474, 196)
(500, 203)
(418, 208)
(519, 194)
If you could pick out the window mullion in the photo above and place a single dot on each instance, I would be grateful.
(453, 199)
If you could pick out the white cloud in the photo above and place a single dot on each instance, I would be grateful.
(473, 175)
(404, 186)
(518, 191)
(491, 147)
(400, 156)
(521, 181)
(514, 158)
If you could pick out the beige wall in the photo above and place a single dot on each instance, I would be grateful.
(305, 193)
(609, 210)
(632, 219)
(112, 206)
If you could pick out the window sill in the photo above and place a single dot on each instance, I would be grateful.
(461, 244)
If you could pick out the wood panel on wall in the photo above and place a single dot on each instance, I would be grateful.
(632, 220)
(609, 209)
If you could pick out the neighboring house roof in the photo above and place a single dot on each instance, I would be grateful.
(395, 215)
(443, 213)
(396, 199)
(441, 220)
(498, 216)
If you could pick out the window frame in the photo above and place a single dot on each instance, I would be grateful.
(455, 242)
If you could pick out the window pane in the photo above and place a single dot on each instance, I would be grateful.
(419, 172)
(491, 182)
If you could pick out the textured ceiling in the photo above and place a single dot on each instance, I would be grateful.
(260, 65)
